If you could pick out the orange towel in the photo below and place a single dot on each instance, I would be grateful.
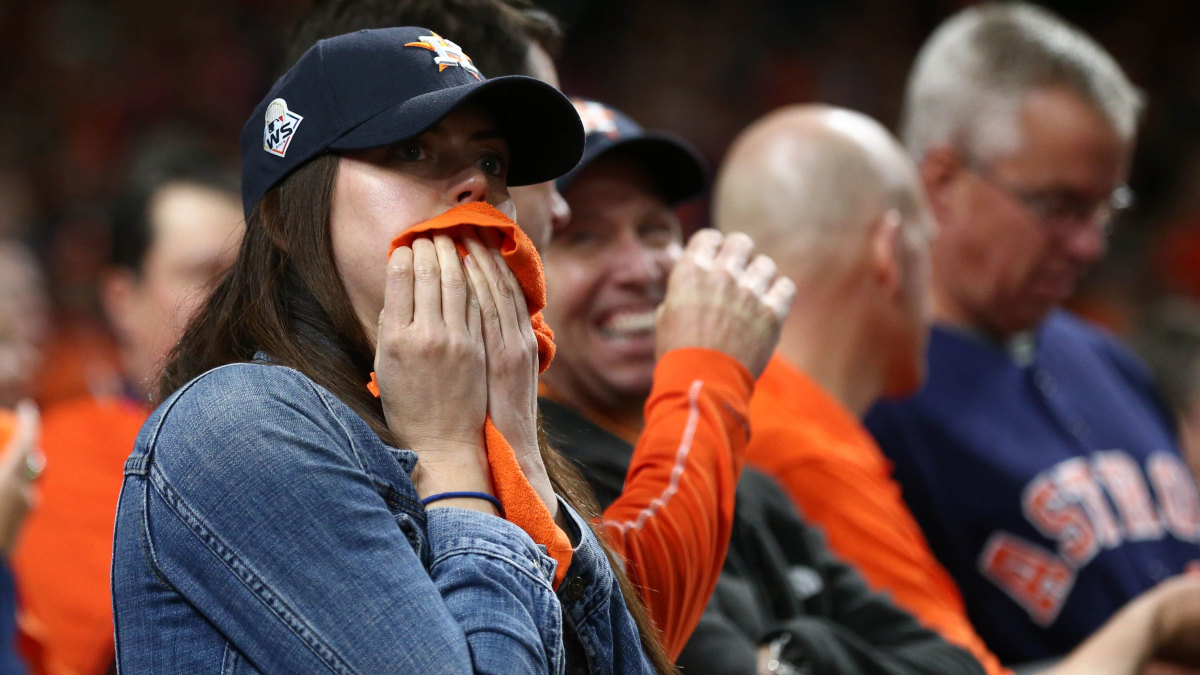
(522, 505)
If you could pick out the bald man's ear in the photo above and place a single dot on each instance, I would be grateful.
(887, 258)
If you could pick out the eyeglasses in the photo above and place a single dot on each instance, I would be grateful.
(1061, 212)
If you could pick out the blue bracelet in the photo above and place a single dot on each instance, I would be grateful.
(468, 495)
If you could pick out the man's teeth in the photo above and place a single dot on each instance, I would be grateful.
(629, 323)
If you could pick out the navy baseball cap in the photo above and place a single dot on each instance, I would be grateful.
(671, 161)
(377, 87)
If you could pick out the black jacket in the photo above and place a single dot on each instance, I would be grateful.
(779, 578)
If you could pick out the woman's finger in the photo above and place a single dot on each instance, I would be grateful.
(502, 295)
(454, 283)
(514, 284)
(398, 291)
(488, 313)
(474, 317)
(427, 282)
(517, 294)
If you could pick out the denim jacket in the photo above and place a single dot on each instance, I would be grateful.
(263, 527)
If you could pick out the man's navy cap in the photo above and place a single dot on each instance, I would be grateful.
(375, 87)
(671, 161)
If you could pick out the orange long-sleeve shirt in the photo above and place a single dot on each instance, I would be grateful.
(63, 556)
(671, 523)
(841, 481)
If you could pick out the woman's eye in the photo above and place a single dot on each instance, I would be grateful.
(493, 165)
(409, 152)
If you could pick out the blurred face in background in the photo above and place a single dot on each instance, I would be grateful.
(906, 365)
(1018, 230)
(23, 322)
(195, 233)
(1189, 430)
(606, 274)
(541, 210)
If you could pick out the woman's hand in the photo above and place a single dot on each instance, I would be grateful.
(429, 364)
(512, 358)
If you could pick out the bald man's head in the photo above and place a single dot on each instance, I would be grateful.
(809, 179)
(838, 203)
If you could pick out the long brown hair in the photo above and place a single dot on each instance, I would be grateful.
(283, 296)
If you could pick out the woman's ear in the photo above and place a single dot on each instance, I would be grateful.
(273, 227)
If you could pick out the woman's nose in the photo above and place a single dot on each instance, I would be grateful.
(470, 185)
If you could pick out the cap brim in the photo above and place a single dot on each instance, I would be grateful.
(676, 169)
(544, 135)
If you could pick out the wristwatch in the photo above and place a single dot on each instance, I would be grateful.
(777, 664)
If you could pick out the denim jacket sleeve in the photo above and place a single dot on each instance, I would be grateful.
(257, 506)
(601, 635)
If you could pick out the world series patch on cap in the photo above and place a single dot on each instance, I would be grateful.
(281, 124)
(377, 87)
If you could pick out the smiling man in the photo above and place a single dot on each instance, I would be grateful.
(783, 602)
(1038, 459)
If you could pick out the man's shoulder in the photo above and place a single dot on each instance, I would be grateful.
(805, 445)
(1067, 336)
(1062, 324)
(793, 416)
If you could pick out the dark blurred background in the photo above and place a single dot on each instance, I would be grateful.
(83, 82)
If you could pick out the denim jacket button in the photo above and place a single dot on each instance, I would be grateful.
(575, 589)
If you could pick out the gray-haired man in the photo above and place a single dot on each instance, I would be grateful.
(1038, 459)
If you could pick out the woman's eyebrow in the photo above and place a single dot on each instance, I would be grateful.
(487, 135)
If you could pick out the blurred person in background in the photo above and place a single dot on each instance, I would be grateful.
(783, 600)
(837, 200)
(176, 227)
(23, 325)
(1038, 458)
(24, 322)
(515, 38)
(1168, 338)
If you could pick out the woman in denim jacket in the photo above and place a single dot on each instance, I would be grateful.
(277, 517)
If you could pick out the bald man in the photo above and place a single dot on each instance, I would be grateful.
(838, 203)
(836, 200)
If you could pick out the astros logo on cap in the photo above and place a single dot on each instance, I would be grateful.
(447, 53)
(596, 118)
(281, 127)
